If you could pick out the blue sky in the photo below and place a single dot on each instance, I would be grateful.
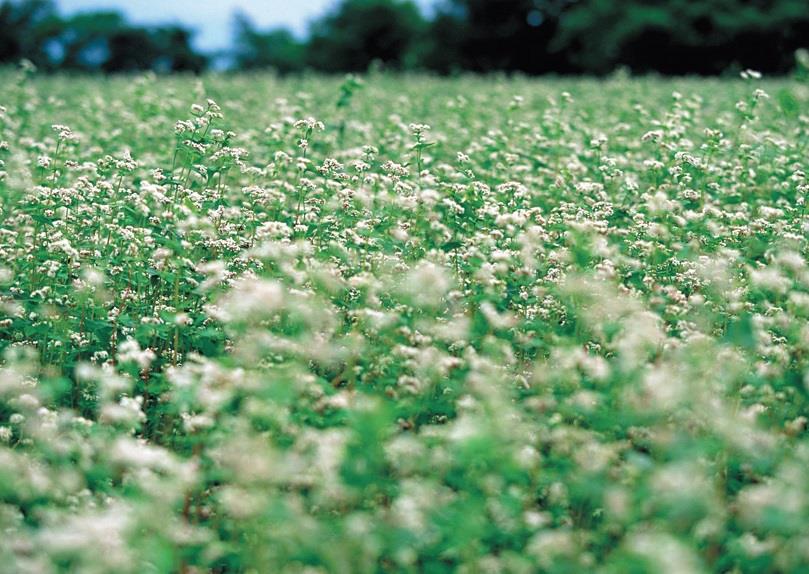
(212, 19)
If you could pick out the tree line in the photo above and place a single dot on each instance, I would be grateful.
(527, 36)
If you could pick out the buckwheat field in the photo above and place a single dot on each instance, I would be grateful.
(403, 324)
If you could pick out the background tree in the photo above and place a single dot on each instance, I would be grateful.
(276, 48)
(168, 49)
(90, 41)
(26, 27)
(359, 32)
(84, 40)
(528, 36)
(130, 49)
(511, 35)
(682, 37)
(178, 53)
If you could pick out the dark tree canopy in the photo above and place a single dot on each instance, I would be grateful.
(511, 35)
(101, 40)
(526, 36)
(26, 26)
(277, 48)
(683, 36)
(359, 32)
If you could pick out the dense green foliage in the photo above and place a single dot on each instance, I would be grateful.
(529, 36)
(402, 324)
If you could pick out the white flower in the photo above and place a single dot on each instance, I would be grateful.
(130, 351)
